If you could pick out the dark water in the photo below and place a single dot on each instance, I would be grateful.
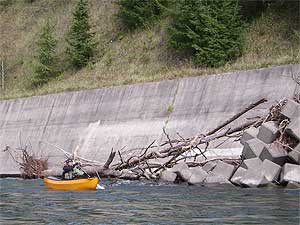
(29, 202)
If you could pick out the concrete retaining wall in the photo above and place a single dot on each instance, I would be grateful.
(134, 115)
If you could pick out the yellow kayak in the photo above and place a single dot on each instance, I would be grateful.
(76, 184)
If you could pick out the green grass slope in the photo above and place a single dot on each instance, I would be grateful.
(126, 58)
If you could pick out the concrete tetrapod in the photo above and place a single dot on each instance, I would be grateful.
(271, 170)
(268, 132)
(290, 172)
(198, 175)
(253, 178)
(220, 174)
(294, 155)
(251, 163)
(275, 153)
(213, 178)
(249, 134)
(290, 109)
(168, 176)
(253, 148)
(293, 128)
(223, 169)
(182, 170)
(258, 174)
(237, 176)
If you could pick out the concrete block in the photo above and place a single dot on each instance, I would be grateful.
(290, 172)
(260, 173)
(209, 166)
(274, 153)
(179, 166)
(182, 170)
(290, 109)
(249, 134)
(253, 148)
(293, 128)
(271, 170)
(254, 178)
(294, 155)
(198, 175)
(213, 178)
(168, 176)
(184, 174)
(293, 185)
(251, 163)
(223, 169)
(268, 132)
(237, 176)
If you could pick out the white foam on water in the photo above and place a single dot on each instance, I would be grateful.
(99, 187)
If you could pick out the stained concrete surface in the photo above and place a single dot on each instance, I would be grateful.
(134, 115)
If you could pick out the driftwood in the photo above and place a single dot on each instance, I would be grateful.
(31, 166)
(110, 159)
(236, 116)
(174, 150)
(69, 155)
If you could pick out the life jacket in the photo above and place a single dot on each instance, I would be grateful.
(77, 171)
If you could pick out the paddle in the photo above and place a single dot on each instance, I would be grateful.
(98, 187)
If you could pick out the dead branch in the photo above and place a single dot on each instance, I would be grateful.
(110, 159)
(145, 152)
(168, 137)
(253, 105)
(31, 166)
(121, 159)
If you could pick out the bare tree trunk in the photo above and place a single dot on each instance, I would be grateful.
(253, 105)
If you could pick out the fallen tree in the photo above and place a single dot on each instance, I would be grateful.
(136, 166)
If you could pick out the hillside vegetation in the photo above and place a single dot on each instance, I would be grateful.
(122, 57)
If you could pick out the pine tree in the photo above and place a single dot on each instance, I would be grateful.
(140, 13)
(81, 44)
(212, 31)
(44, 67)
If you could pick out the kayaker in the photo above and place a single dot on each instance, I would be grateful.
(68, 169)
(72, 170)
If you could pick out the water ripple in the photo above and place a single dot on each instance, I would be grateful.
(29, 202)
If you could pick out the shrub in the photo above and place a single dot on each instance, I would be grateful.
(140, 13)
(81, 44)
(211, 31)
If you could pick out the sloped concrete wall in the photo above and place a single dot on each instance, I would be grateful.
(134, 115)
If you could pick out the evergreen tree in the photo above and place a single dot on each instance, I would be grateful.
(140, 13)
(81, 44)
(212, 31)
(45, 59)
